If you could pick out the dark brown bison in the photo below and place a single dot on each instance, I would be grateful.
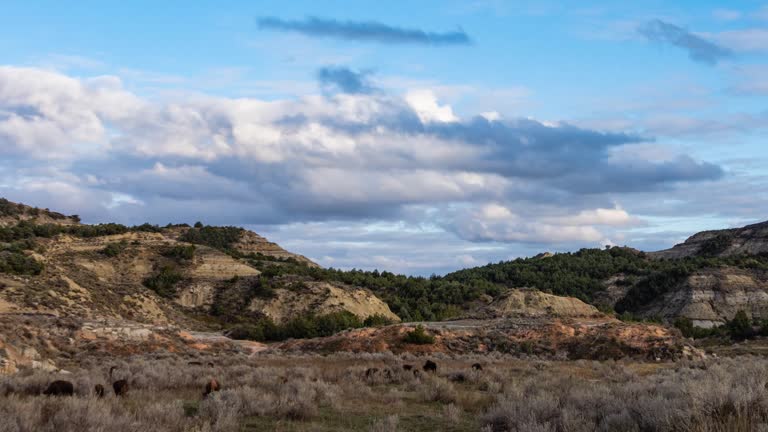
(430, 366)
(371, 372)
(210, 387)
(477, 367)
(120, 387)
(98, 390)
(407, 367)
(60, 388)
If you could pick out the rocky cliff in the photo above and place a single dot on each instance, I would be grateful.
(710, 297)
(748, 240)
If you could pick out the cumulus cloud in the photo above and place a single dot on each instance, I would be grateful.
(368, 31)
(52, 115)
(698, 48)
(337, 78)
(342, 156)
(496, 222)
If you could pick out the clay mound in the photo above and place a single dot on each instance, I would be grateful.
(319, 298)
(534, 303)
(596, 339)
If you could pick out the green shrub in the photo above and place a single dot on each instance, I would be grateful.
(222, 238)
(377, 320)
(740, 327)
(180, 252)
(716, 245)
(18, 263)
(301, 327)
(114, 249)
(419, 336)
(164, 282)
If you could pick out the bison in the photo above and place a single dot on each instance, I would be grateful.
(60, 388)
(477, 367)
(210, 387)
(98, 390)
(120, 387)
(430, 366)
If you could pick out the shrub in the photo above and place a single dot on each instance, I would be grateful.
(377, 320)
(740, 327)
(114, 249)
(221, 238)
(180, 252)
(18, 263)
(419, 336)
(716, 245)
(301, 327)
(164, 282)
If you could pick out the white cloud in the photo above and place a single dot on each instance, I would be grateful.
(425, 103)
(317, 158)
(497, 222)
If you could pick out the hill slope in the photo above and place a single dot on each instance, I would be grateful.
(748, 240)
(193, 277)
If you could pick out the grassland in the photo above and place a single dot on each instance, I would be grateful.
(337, 393)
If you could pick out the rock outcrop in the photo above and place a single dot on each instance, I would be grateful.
(710, 297)
(320, 298)
(252, 243)
(748, 240)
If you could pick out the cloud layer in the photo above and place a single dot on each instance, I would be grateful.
(89, 146)
(698, 48)
(367, 31)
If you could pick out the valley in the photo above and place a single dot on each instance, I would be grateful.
(293, 344)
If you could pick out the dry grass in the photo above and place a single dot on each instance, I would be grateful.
(333, 393)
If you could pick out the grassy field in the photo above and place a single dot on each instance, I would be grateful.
(337, 393)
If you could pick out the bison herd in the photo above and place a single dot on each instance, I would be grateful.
(428, 367)
(119, 387)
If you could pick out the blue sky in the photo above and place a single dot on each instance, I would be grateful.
(415, 138)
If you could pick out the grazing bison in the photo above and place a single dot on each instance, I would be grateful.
(477, 367)
(430, 366)
(60, 388)
(371, 372)
(210, 387)
(99, 390)
(407, 367)
(120, 386)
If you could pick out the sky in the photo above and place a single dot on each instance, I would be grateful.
(414, 137)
